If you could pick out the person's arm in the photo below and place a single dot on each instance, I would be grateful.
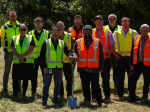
(42, 57)
(72, 43)
(101, 56)
(2, 36)
(131, 56)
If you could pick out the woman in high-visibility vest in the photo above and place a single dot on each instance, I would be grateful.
(22, 47)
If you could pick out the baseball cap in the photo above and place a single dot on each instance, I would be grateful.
(98, 16)
(87, 27)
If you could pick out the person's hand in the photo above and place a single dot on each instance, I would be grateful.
(117, 55)
(22, 60)
(105, 56)
(20, 57)
(131, 67)
(70, 58)
(45, 70)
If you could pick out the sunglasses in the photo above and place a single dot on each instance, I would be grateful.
(85, 31)
(77, 20)
(23, 29)
(38, 24)
(112, 18)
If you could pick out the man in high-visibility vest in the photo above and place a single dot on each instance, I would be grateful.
(90, 63)
(122, 52)
(76, 29)
(39, 35)
(67, 69)
(8, 30)
(140, 63)
(108, 42)
(112, 26)
(52, 61)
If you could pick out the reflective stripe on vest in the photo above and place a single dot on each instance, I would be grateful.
(48, 49)
(79, 47)
(118, 42)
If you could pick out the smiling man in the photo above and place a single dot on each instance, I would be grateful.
(8, 30)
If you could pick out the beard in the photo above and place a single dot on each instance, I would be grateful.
(88, 37)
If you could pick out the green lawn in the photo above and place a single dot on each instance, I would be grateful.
(28, 104)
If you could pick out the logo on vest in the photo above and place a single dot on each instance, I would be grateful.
(92, 46)
(147, 45)
(59, 47)
(80, 33)
(25, 42)
(102, 36)
(43, 39)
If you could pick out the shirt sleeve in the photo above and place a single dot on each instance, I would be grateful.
(111, 38)
(42, 55)
(32, 42)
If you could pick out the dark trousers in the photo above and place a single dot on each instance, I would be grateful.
(139, 68)
(122, 66)
(16, 86)
(105, 78)
(113, 63)
(86, 78)
(34, 80)
(67, 69)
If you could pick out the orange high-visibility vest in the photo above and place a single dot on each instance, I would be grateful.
(104, 38)
(146, 59)
(88, 58)
(74, 33)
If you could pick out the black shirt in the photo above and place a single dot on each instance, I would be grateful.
(112, 29)
(38, 35)
(43, 52)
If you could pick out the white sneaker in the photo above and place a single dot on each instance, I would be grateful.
(44, 106)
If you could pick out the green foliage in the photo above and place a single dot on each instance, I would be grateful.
(64, 10)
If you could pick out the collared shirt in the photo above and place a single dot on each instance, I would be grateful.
(125, 34)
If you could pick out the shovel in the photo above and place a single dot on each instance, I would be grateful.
(72, 101)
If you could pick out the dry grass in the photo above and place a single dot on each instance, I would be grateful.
(8, 104)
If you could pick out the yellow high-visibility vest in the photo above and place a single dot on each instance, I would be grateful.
(54, 58)
(124, 44)
(21, 50)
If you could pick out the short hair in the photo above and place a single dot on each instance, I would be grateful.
(59, 22)
(144, 25)
(112, 15)
(38, 19)
(77, 16)
(125, 18)
(12, 12)
(54, 27)
(21, 25)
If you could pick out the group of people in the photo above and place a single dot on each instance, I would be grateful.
(94, 50)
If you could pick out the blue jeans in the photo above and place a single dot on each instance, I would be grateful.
(139, 68)
(47, 82)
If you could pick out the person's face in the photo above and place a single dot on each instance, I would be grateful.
(12, 17)
(38, 25)
(78, 21)
(112, 20)
(125, 24)
(54, 33)
(87, 33)
(144, 31)
(23, 31)
(99, 23)
(61, 26)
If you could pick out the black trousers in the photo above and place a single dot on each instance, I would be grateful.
(67, 69)
(139, 68)
(122, 66)
(34, 80)
(16, 86)
(86, 78)
(113, 64)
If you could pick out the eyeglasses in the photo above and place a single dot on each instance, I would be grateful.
(60, 27)
(85, 31)
(112, 18)
(23, 29)
(77, 20)
(99, 21)
(38, 24)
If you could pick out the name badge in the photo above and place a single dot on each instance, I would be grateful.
(50, 71)
(147, 45)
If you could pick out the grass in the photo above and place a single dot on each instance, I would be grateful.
(28, 104)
